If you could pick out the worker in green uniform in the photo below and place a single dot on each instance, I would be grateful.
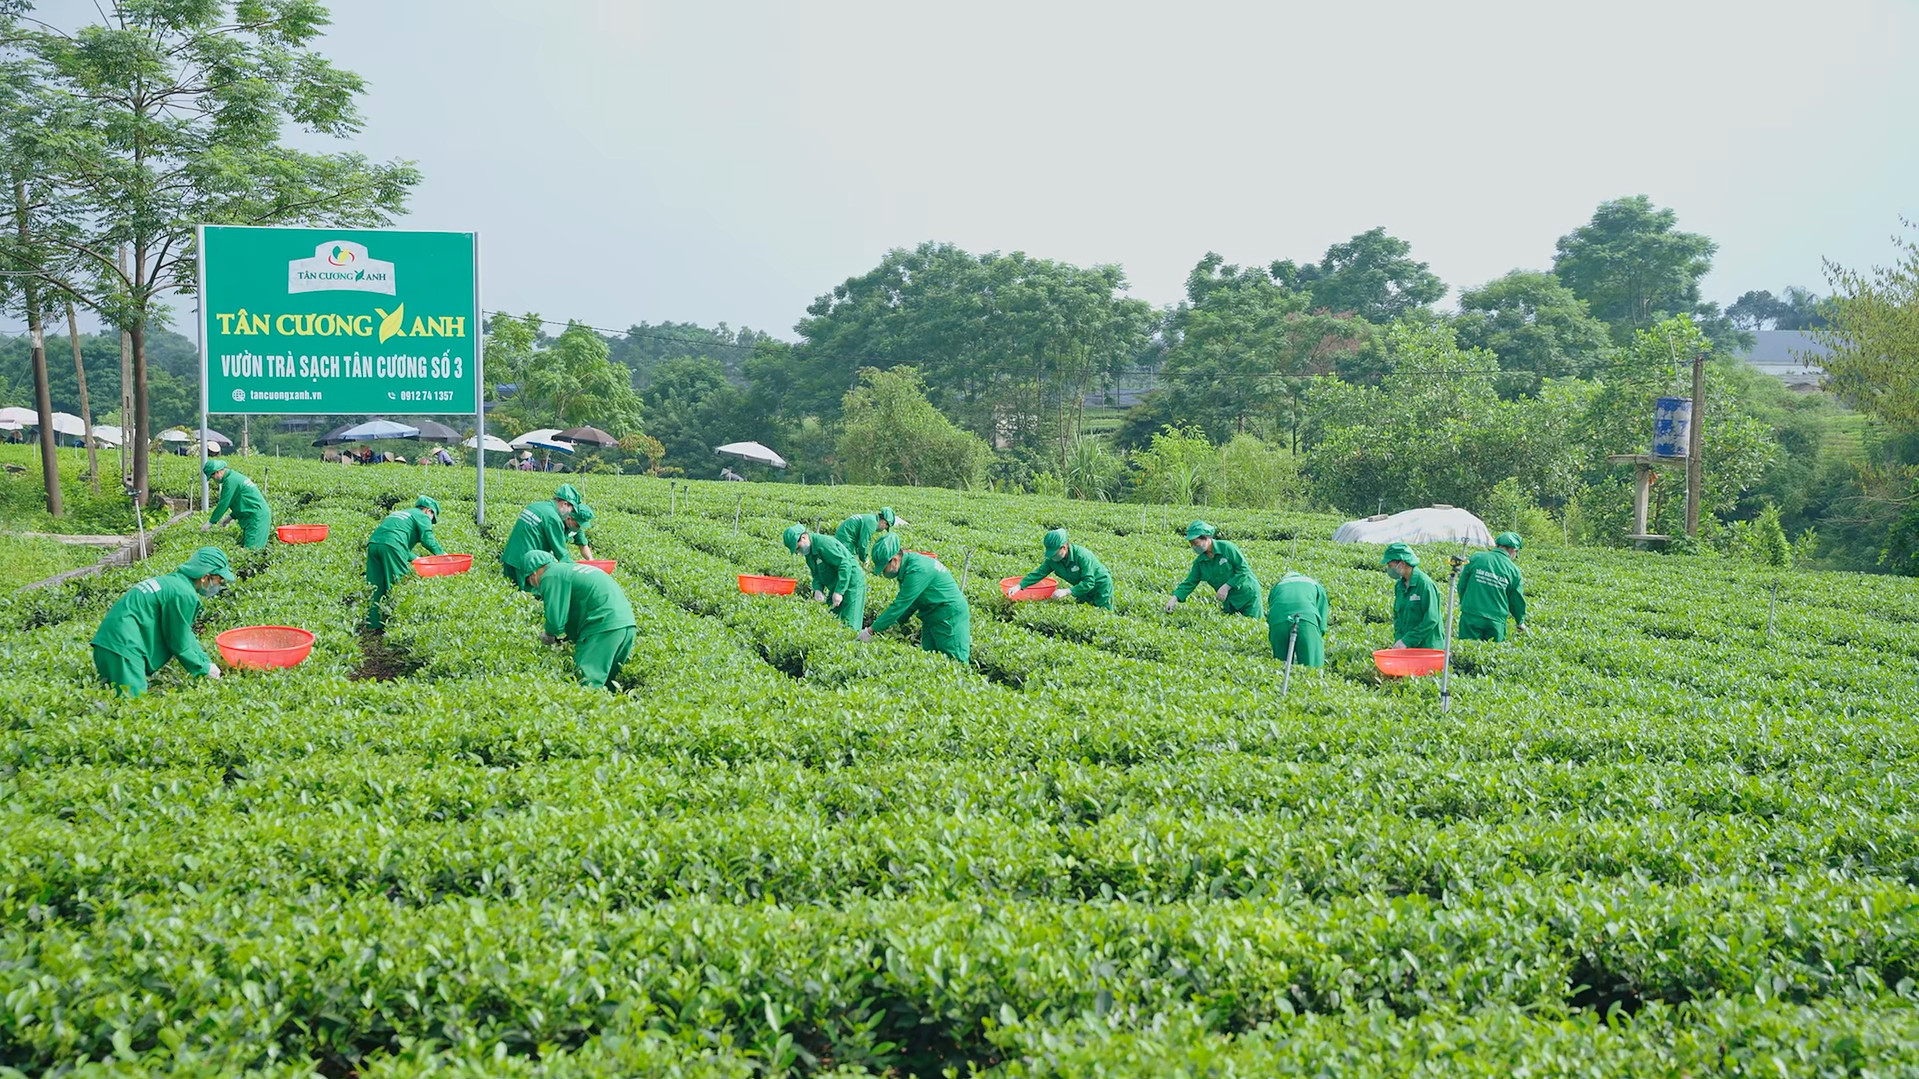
(153, 623)
(857, 532)
(1084, 579)
(1490, 591)
(241, 502)
(585, 605)
(389, 552)
(927, 589)
(1298, 600)
(837, 579)
(1416, 614)
(549, 527)
(1219, 563)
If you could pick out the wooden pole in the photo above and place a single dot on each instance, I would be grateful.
(86, 410)
(1695, 445)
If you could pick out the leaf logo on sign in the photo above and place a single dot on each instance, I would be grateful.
(390, 324)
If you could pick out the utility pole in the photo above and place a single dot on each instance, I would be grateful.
(1696, 445)
(128, 432)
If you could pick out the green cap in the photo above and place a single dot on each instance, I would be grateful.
(791, 537)
(582, 516)
(1198, 529)
(1055, 539)
(531, 563)
(887, 515)
(884, 549)
(1508, 539)
(1399, 552)
(427, 502)
(208, 560)
(212, 466)
(568, 493)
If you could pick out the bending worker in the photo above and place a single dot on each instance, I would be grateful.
(242, 502)
(1490, 591)
(927, 589)
(1416, 615)
(153, 623)
(549, 527)
(1075, 565)
(1298, 599)
(389, 552)
(1219, 563)
(838, 580)
(585, 605)
(857, 533)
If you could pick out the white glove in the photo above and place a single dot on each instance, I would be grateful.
(213, 671)
(837, 597)
(1399, 644)
(1062, 593)
(866, 634)
(819, 596)
(1172, 604)
(1223, 589)
(1519, 629)
(206, 526)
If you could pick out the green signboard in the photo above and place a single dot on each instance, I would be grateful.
(339, 321)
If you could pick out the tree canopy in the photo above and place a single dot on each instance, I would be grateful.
(1633, 266)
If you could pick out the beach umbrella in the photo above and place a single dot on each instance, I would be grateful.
(437, 432)
(16, 417)
(109, 435)
(751, 452)
(553, 444)
(543, 433)
(373, 430)
(592, 436)
(69, 425)
(497, 445)
(181, 434)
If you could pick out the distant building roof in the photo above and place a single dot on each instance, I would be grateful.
(1788, 355)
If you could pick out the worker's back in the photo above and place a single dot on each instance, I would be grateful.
(584, 600)
(1297, 594)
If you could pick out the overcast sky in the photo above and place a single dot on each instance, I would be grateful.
(706, 161)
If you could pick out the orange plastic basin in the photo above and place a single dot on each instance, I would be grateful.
(300, 533)
(754, 584)
(928, 554)
(603, 564)
(262, 647)
(1042, 590)
(442, 565)
(1409, 662)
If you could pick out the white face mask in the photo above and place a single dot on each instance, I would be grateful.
(211, 589)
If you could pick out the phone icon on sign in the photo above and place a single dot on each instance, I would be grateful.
(391, 396)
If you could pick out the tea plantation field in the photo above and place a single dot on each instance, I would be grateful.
(1649, 838)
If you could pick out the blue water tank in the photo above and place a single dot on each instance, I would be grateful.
(1671, 423)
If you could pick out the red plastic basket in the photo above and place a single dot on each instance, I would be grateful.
(1042, 590)
(604, 564)
(754, 584)
(442, 565)
(263, 647)
(1409, 662)
(300, 533)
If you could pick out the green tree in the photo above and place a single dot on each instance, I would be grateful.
(1372, 276)
(572, 383)
(1796, 309)
(1534, 325)
(175, 114)
(1873, 336)
(645, 346)
(1632, 265)
(691, 408)
(1180, 468)
(892, 434)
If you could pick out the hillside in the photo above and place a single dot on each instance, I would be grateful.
(1647, 839)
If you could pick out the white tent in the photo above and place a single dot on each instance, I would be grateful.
(1434, 524)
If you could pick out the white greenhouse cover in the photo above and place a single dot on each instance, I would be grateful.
(1433, 524)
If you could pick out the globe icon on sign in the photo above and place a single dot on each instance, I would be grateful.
(239, 395)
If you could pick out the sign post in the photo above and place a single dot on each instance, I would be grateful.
(341, 322)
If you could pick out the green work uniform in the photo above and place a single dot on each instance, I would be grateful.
(585, 605)
(1225, 566)
(151, 624)
(834, 569)
(856, 534)
(1416, 615)
(539, 527)
(1080, 571)
(928, 589)
(389, 555)
(1490, 591)
(242, 500)
(1298, 595)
